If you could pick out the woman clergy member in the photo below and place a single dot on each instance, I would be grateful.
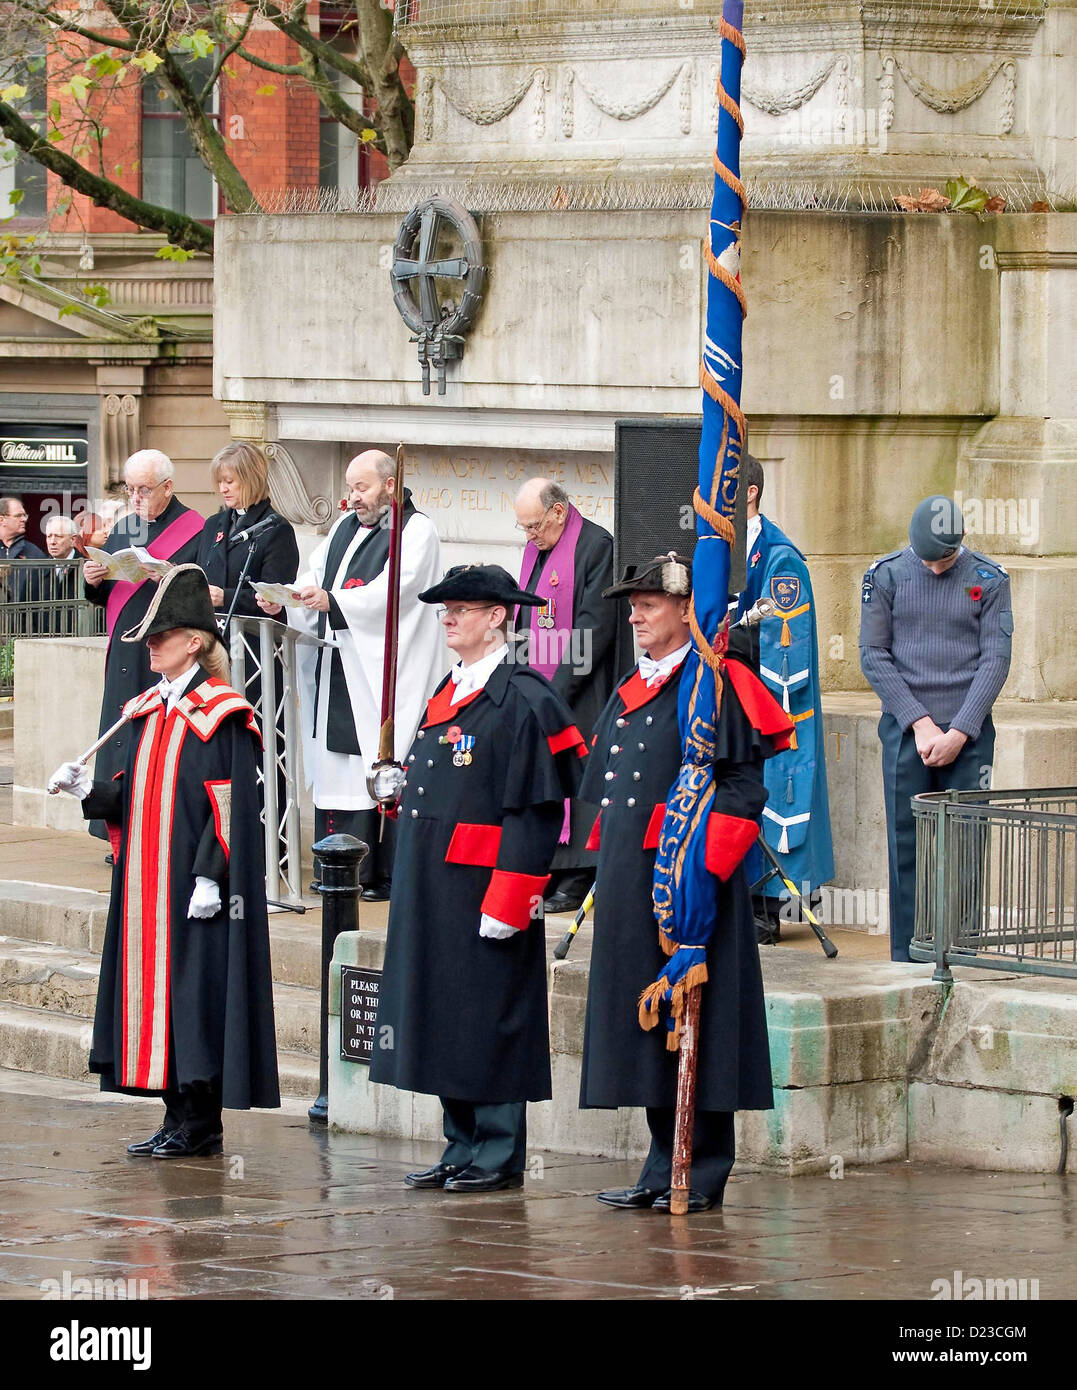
(462, 1011)
(240, 473)
(184, 1003)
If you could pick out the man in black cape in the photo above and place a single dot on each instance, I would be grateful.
(633, 764)
(160, 523)
(462, 1012)
(185, 1001)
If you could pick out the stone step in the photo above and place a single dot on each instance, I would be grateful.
(63, 981)
(58, 1044)
(75, 919)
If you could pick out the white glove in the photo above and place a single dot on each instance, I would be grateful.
(205, 900)
(387, 783)
(72, 778)
(494, 930)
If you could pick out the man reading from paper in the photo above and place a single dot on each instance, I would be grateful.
(159, 523)
(343, 595)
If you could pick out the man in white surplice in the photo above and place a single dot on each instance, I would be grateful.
(344, 592)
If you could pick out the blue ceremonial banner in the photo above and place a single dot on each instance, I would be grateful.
(685, 901)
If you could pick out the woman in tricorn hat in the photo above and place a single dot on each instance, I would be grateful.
(184, 1003)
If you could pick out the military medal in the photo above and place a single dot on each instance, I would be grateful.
(546, 618)
(462, 755)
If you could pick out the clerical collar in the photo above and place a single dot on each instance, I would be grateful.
(654, 672)
(468, 679)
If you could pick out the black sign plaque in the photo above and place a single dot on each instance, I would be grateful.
(358, 1012)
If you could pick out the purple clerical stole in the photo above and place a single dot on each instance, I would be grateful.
(550, 636)
(551, 623)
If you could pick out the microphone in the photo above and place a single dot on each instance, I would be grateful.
(267, 522)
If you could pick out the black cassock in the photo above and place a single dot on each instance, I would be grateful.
(127, 664)
(183, 1002)
(638, 742)
(468, 1015)
(275, 559)
(585, 687)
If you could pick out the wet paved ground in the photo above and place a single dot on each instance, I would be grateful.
(291, 1213)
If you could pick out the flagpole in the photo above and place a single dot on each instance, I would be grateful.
(722, 444)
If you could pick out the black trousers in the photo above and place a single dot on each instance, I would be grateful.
(905, 776)
(713, 1151)
(493, 1137)
(196, 1109)
(377, 866)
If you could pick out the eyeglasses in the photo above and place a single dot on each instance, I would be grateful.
(532, 528)
(459, 612)
(145, 491)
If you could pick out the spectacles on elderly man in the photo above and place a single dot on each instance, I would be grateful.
(532, 528)
(459, 610)
(145, 491)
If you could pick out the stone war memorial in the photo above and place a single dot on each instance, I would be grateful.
(888, 355)
(530, 286)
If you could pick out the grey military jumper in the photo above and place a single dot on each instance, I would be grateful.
(934, 645)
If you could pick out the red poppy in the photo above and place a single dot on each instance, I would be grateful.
(343, 504)
(454, 734)
(220, 537)
(354, 583)
(976, 593)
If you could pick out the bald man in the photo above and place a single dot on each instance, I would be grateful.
(344, 593)
(575, 639)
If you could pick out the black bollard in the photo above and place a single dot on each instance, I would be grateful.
(337, 859)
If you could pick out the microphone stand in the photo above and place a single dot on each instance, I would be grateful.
(226, 622)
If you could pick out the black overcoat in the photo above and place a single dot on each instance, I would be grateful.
(623, 1065)
(182, 1000)
(275, 560)
(467, 1016)
(127, 664)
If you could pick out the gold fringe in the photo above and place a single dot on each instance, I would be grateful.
(695, 977)
(730, 180)
(648, 1003)
(720, 273)
(786, 639)
(735, 37)
(721, 524)
(726, 401)
(724, 99)
(667, 944)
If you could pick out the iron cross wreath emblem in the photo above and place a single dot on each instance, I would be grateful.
(438, 242)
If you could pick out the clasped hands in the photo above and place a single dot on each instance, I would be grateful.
(937, 749)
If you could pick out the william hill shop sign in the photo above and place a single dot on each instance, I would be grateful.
(56, 453)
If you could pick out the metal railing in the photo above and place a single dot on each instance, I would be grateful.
(265, 670)
(996, 880)
(42, 598)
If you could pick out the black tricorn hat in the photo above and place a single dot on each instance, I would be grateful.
(182, 600)
(665, 574)
(480, 584)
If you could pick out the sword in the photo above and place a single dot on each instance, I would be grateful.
(385, 776)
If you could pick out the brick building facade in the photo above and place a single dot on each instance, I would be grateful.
(138, 372)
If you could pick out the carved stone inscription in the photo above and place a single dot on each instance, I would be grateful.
(469, 493)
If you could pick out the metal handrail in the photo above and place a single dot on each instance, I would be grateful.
(264, 661)
(996, 880)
